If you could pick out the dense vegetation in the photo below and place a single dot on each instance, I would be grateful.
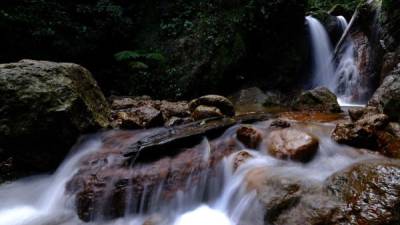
(174, 49)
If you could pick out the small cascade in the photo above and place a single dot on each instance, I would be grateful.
(348, 88)
(222, 195)
(322, 67)
(341, 76)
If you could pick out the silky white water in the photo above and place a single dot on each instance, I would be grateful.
(321, 49)
(342, 78)
(42, 200)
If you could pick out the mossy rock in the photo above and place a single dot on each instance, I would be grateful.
(45, 107)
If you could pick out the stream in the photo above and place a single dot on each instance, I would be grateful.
(222, 197)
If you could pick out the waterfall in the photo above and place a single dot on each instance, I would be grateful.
(42, 200)
(322, 67)
(348, 81)
(341, 77)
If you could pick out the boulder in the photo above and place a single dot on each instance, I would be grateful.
(292, 144)
(204, 112)
(370, 191)
(318, 99)
(141, 117)
(372, 131)
(251, 137)
(44, 108)
(223, 104)
(387, 96)
(108, 184)
(144, 112)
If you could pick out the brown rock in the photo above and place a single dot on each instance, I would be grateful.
(204, 112)
(370, 191)
(141, 117)
(223, 104)
(249, 136)
(280, 124)
(240, 158)
(292, 144)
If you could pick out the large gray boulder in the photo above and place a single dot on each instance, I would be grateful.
(44, 108)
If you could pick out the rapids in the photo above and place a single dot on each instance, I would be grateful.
(42, 200)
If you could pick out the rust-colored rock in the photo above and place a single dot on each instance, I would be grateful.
(250, 136)
(292, 144)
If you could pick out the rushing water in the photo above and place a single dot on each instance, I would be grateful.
(322, 67)
(341, 77)
(42, 200)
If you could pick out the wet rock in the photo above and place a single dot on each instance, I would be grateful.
(356, 113)
(387, 97)
(141, 117)
(251, 137)
(223, 104)
(278, 191)
(319, 99)
(240, 158)
(279, 123)
(143, 112)
(203, 112)
(174, 109)
(107, 181)
(353, 135)
(312, 209)
(45, 107)
(371, 131)
(370, 191)
(292, 144)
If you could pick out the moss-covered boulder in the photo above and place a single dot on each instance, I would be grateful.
(319, 99)
(44, 107)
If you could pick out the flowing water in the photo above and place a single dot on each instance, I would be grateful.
(322, 67)
(341, 77)
(42, 200)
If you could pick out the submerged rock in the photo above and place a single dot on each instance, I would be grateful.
(319, 99)
(249, 136)
(45, 107)
(292, 144)
(223, 104)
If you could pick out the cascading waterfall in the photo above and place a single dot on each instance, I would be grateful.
(42, 200)
(348, 88)
(322, 67)
(341, 77)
